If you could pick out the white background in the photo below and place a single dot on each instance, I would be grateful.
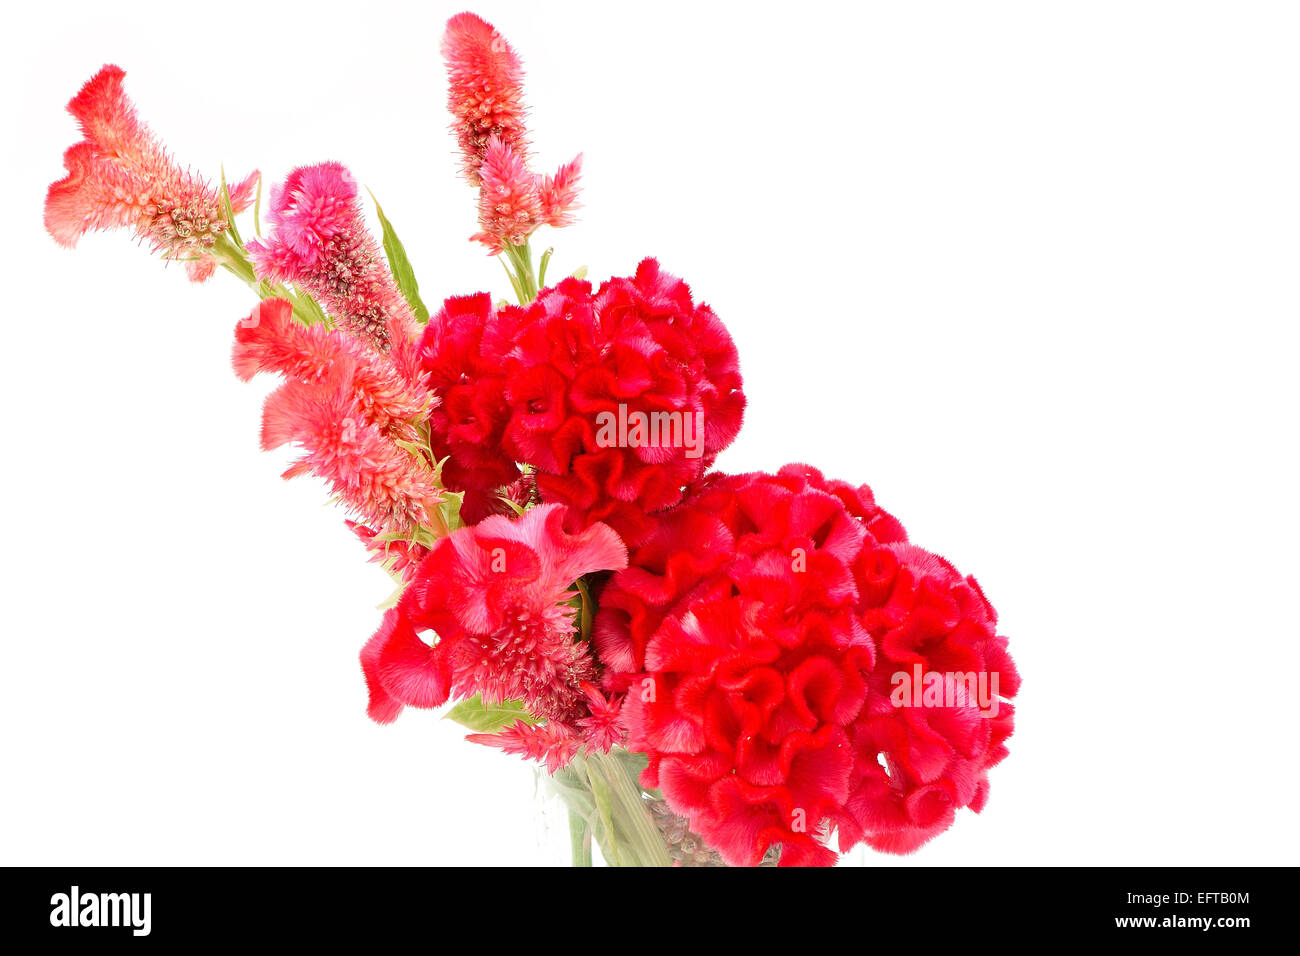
(1029, 269)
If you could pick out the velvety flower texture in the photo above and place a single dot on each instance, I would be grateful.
(494, 595)
(120, 177)
(461, 357)
(485, 96)
(349, 409)
(756, 632)
(555, 384)
(319, 241)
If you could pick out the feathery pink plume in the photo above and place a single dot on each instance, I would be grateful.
(485, 89)
(558, 194)
(552, 743)
(120, 177)
(379, 481)
(510, 208)
(320, 242)
(398, 557)
(602, 729)
(486, 99)
(270, 340)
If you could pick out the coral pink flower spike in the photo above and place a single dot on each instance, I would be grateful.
(120, 177)
(485, 95)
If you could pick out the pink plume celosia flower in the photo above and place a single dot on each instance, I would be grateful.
(509, 206)
(555, 743)
(485, 90)
(400, 558)
(373, 477)
(120, 177)
(269, 340)
(558, 194)
(485, 96)
(347, 406)
(514, 202)
(551, 743)
(495, 594)
(320, 242)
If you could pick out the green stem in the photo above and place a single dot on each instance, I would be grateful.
(522, 277)
(233, 257)
(579, 839)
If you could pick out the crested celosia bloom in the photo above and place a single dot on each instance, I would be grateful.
(562, 385)
(462, 362)
(496, 599)
(485, 96)
(348, 408)
(120, 177)
(319, 241)
(914, 767)
(756, 632)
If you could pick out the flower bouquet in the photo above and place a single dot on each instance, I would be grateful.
(712, 669)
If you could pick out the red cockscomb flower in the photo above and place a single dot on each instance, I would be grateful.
(915, 766)
(618, 398)
(462, 361)
(750, 633)
(495, 595)
(119, 176)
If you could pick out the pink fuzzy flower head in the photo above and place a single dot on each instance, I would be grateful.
(319, 241)
(269, 340)
(348, 408)
(552, 743)
(120, 177)
(514, 202)
(485, 90)
(496, 596)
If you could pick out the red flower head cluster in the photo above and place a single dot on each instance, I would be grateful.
(791, 667)
(494, 597)
(119, 176)
(755, 632)
(485, 96)
(319, 241)
(922, 753)
(618, 398)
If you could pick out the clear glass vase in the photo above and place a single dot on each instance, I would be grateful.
(626, 824)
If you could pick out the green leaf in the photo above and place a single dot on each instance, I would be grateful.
(487, 718)
(400, 265)
(541, 269)
(579, 273)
